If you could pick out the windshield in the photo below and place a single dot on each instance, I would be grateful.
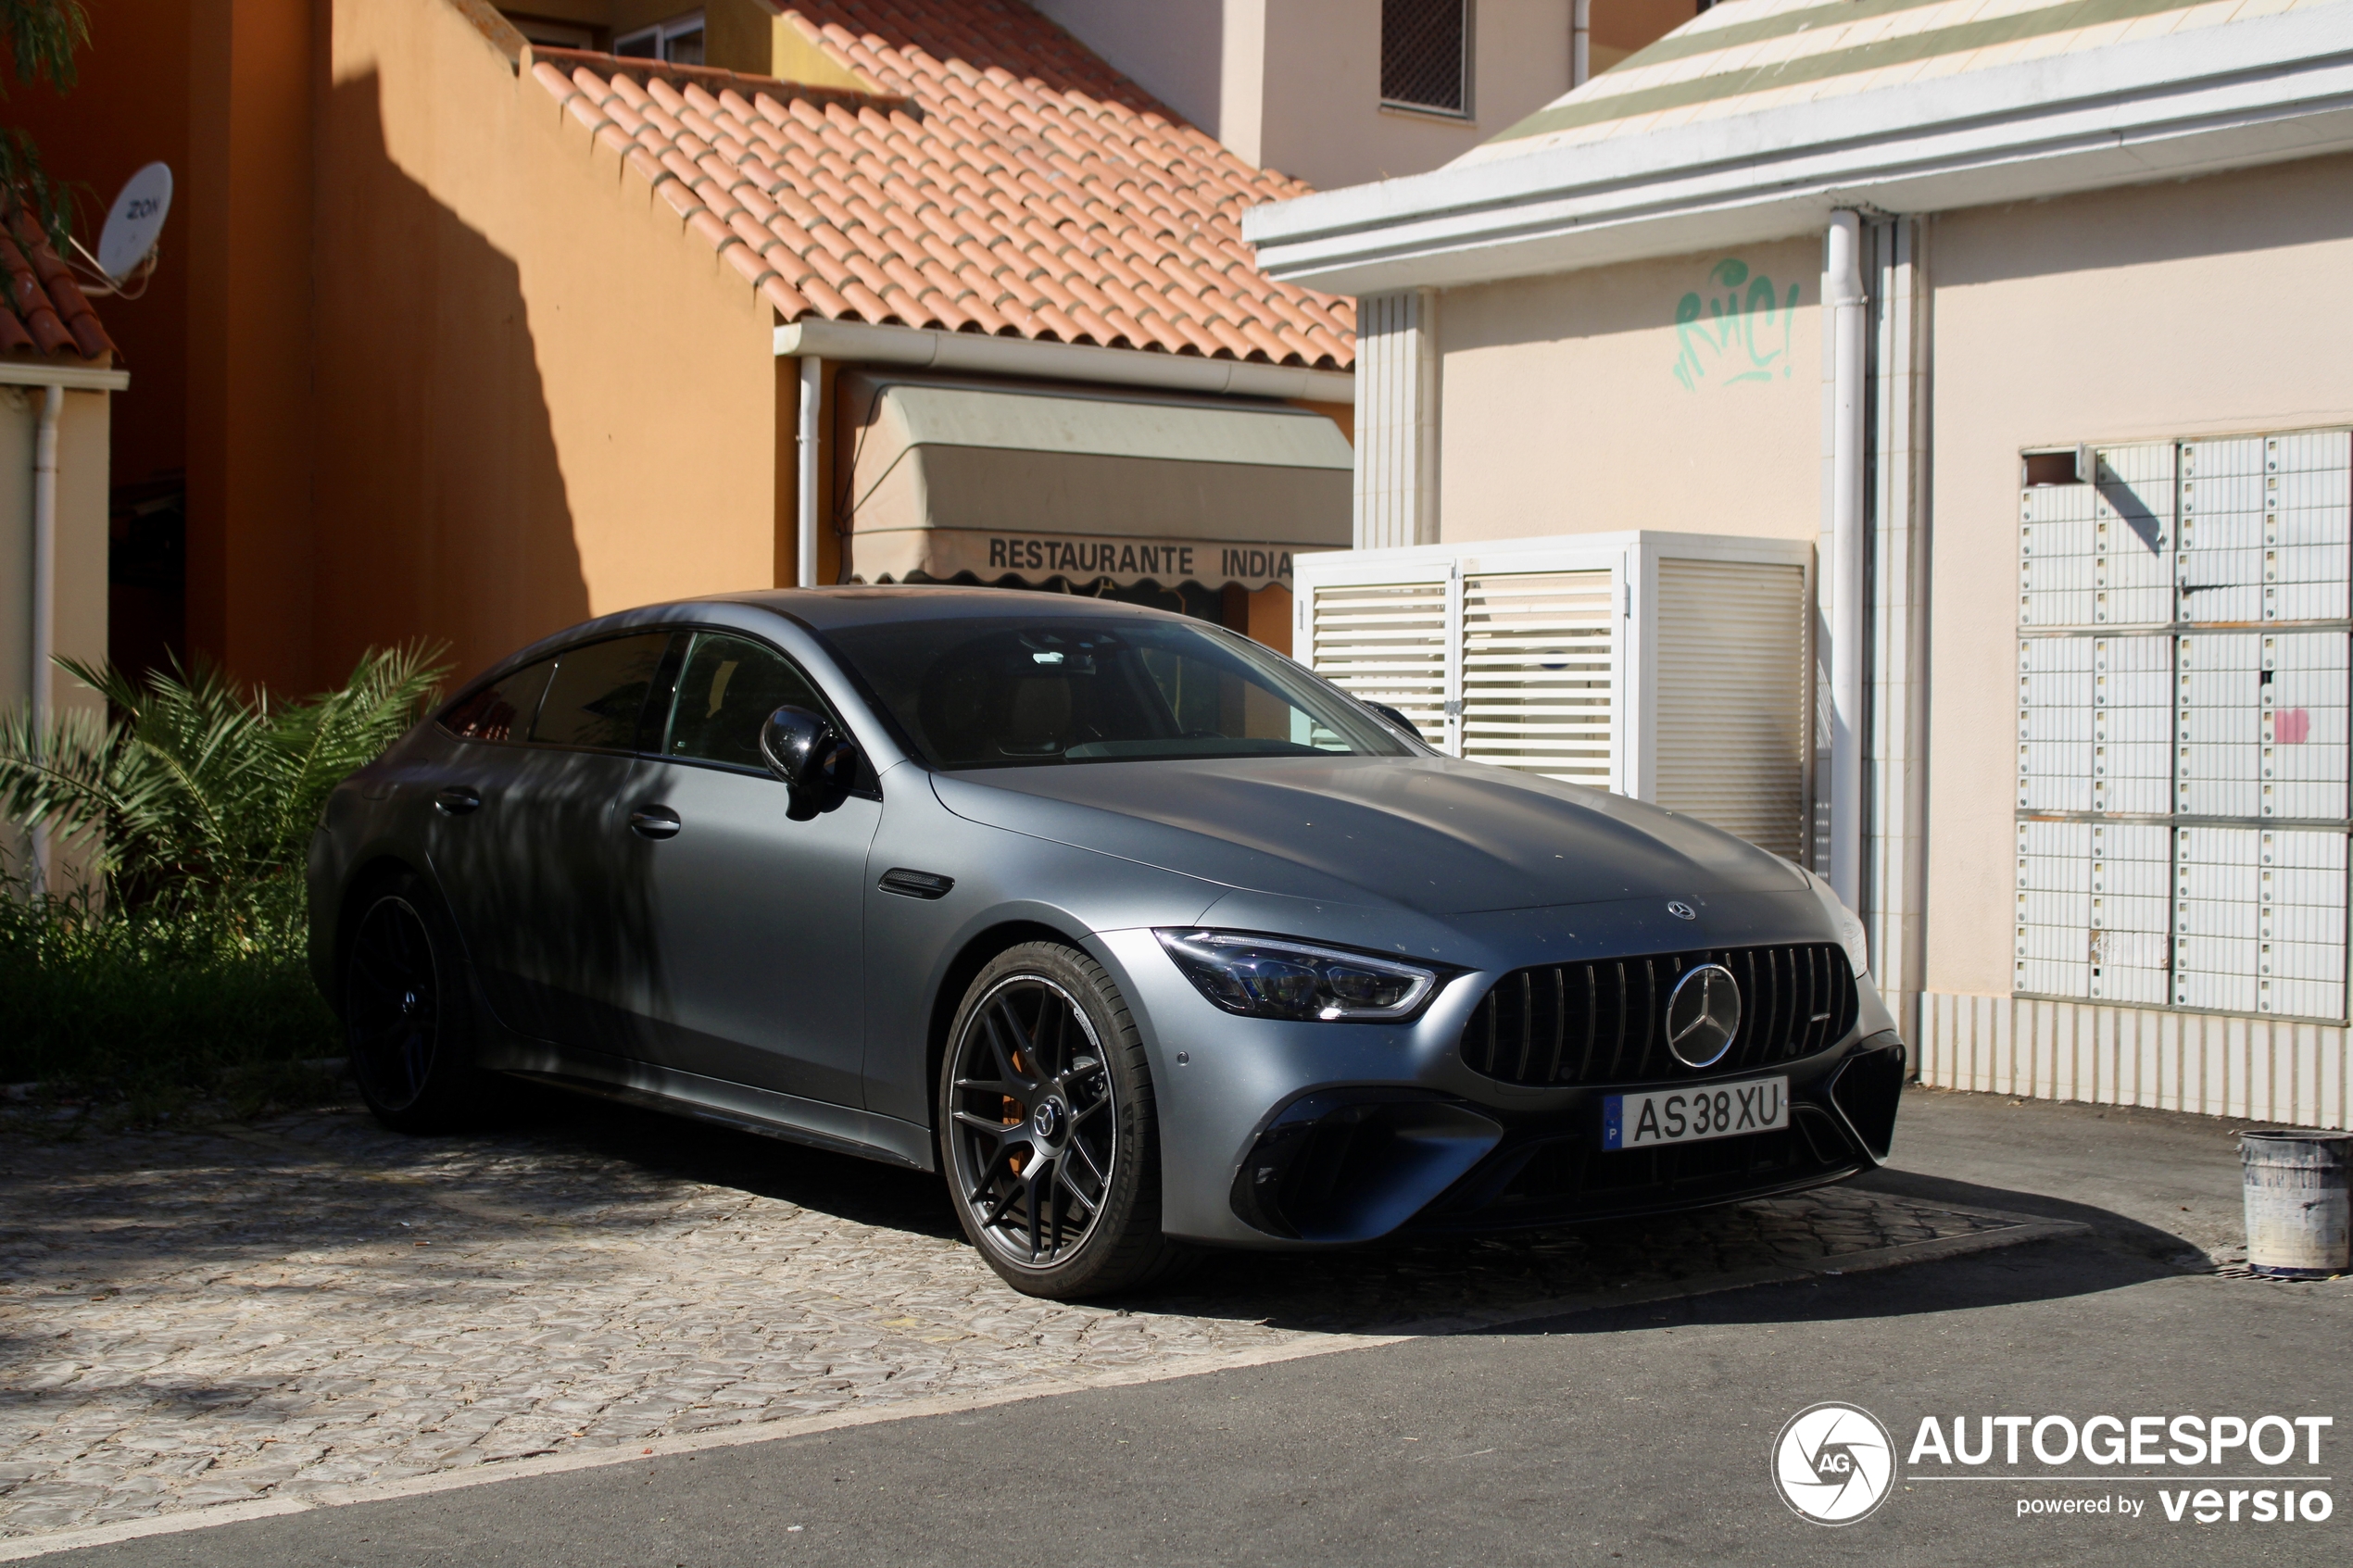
(1001, 693)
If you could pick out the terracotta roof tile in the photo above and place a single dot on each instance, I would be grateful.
(1004, 180)
(44, 310)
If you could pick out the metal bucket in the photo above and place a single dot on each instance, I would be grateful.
(2296, 1212)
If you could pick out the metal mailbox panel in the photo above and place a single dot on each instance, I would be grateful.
(2133, 726)
(2304, 721)
(2300, 922)
(2054, 908)
(2054, 723)
(2057, 557)
(2219, 725)
(2215, 918)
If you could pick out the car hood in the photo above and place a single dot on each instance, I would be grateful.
(1434, 834)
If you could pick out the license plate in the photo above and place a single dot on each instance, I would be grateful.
(1718, 1111)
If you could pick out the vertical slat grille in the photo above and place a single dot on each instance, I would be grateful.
(1604, 1022)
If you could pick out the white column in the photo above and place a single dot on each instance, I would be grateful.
(44, 592)
(1397, 392)
(1895, 853)
(812, 398)
(1842, 459)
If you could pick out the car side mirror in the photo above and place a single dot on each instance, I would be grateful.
(817, 762)
(1395, 718)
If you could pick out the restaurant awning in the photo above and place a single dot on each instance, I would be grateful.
(1000, 479)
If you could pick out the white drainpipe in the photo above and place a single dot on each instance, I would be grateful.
(45, 587)
(812, 392)
(1581, 47)
(1842, 299)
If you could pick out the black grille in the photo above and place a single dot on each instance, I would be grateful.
(1424, 50)
(1605, 1023)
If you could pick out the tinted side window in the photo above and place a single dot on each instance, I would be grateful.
(502, 711)
(725, 691)
(598, 692)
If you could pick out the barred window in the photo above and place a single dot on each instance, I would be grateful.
(1425, 54)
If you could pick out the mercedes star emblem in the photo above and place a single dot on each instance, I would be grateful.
(1703, 1015)
(1682, 911)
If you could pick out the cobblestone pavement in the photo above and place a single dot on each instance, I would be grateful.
(191, 1319)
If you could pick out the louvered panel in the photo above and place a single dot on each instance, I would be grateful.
(1386, 643)
(1731, 719)
(1538, 693)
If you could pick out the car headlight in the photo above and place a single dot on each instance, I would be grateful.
(1263, 977)
(1848, 926)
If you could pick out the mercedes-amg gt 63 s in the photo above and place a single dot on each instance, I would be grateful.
(1143, 936)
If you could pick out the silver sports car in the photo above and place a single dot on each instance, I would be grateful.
(1143, 936)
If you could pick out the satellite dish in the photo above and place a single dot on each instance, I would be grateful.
(135, 222)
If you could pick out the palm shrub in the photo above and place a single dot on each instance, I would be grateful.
(195, 803)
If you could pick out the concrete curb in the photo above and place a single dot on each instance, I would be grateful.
(2011, 1230)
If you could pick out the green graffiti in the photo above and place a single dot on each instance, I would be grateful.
(1735, 333)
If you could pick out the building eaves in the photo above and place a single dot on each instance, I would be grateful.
(2264, 89)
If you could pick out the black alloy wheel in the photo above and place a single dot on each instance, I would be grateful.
(406, 1016)
(1046, 1119)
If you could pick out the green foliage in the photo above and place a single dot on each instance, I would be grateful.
(42, 37)
(185, 967)
(154, 1004)
(198, 797)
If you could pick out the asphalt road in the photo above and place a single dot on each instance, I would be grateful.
(1631, 1435)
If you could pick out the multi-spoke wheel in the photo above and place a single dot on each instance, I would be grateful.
(1045, 1127)
(406, 1015)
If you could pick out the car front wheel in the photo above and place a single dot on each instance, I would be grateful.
(1048, 1136)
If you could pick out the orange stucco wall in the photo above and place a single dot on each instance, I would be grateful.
(249, 365)
(537, 398)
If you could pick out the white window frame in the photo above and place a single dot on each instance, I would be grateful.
(661, 32)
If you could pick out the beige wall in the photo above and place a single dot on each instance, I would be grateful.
(538, 399)
(2166, 310)
(83, 438)
(1295, 85)
(1578, 405)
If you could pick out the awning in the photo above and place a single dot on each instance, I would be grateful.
(999, 479)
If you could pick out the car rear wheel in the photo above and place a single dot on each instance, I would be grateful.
(408, 1018)
(1048, 1136)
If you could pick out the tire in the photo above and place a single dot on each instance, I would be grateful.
(1048, 1136)
(408, 1009)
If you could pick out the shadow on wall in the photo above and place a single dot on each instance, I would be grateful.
(439, 498)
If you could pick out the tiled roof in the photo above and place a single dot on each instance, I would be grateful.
(1004, 181)
(1762, 54)
(44, 312)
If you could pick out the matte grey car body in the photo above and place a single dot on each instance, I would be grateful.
(666, 931)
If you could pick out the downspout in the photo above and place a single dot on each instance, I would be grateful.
(1581, 47)
(1842, 299)
(812, 392)
(44, 590)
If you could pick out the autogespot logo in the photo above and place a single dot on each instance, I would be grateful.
(1834, 1463)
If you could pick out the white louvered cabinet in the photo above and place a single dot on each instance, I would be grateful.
(1675, 667)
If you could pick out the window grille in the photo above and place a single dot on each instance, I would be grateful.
(1425, 54)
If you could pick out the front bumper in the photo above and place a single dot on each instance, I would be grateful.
(1280, 1135)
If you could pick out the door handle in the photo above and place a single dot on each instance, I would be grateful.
(457, 800)
(654, 821)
